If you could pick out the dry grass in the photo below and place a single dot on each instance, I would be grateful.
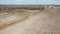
(8, 17)
(11, 17)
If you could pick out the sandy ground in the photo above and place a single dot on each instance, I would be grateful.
(46, 22)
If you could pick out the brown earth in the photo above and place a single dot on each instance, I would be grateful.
(40, 22)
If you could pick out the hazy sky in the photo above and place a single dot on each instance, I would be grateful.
(30, 2)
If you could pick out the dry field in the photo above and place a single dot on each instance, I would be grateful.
(43, 20)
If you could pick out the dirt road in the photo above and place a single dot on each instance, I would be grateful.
(46, 22)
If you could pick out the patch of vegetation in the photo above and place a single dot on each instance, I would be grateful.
(16, 13)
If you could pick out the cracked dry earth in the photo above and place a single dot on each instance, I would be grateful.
(44, 22)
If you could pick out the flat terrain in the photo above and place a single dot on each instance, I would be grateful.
(38, 22)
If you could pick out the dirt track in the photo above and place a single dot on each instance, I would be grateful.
(46, 22)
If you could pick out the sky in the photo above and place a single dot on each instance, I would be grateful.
(55, 2)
